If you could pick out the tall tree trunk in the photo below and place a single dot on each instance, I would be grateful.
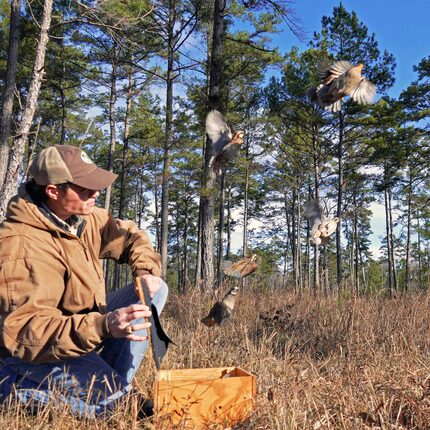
(408, 235)
(299, 241)
(198, 273)
(228, 246)
(208, 196)
(317, 274)
(124, 160)
(112, 124)
(123, 195)
(168, 138)
(339, 200)
(393, 251)
(221, 231)
(111, 282)
(16, 155)
(246, 199)
(308, 272)
(419, 246)
(326, 280)
(140, 200)
(179, 260)
(294, 242)
(356, 247)
(63, 95)
(387, 230)
(289, 242)
(7, 107)
(246, 202)
(157, 209)
(185, 250)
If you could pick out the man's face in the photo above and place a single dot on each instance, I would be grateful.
(71, 200)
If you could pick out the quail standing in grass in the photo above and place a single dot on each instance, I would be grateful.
(227, 142)
(321, 227)
(222, 310)
(340, 79)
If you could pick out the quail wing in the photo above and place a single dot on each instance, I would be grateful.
(315, 216)
(242, 268)
(228, 153)
(218, 130)
(314, 213)
(329, 71)
(364, 93)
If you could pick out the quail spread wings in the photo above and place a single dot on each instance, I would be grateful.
(241, 268)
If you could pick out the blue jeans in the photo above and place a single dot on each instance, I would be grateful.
(92, 384)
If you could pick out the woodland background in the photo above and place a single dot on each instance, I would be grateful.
(132, 81)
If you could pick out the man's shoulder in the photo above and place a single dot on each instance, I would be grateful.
(98, 217)
(13, 238)
(98, 213)
(12, 228)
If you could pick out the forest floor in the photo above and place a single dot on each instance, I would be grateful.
(320, 362)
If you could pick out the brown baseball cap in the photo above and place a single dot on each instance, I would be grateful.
(59, 164)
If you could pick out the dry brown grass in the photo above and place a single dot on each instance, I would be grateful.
(320, 362)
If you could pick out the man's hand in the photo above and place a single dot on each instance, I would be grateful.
(153, 283)
(120, 322)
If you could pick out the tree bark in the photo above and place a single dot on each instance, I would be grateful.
(408, 235)
(209, 189)
(221, 231)
(8, 95)
(198, 273)
(157, 210)
(317, 273)
(246, 200)
(387, 230)
(168, 138)
(228, 245)
(16, 156)
(299, 242)
(63, 96)
(339, 201)
(356, 247)
(123, 175)
(294, 241)
(124, 161)
(112, 125)
(185, 250)
(393, 252)
(112, 130)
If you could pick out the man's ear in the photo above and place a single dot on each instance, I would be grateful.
(52, 191)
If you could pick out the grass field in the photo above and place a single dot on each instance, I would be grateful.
(320, 362)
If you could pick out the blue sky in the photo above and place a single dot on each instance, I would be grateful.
(400, 27)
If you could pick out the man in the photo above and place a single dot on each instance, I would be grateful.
(61, 339)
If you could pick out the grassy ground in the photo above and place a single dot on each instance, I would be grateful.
(320, 362)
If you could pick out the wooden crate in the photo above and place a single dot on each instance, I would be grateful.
(197, 398)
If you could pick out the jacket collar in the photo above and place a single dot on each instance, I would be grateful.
(71, 225)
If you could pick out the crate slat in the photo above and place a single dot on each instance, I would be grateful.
(200, 397)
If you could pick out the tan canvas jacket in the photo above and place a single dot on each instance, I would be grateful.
(52, 292)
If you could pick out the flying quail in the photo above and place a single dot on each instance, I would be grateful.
(322, 228)
(227, 142)
(340, 79)
(242, 268)
(222, 310)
